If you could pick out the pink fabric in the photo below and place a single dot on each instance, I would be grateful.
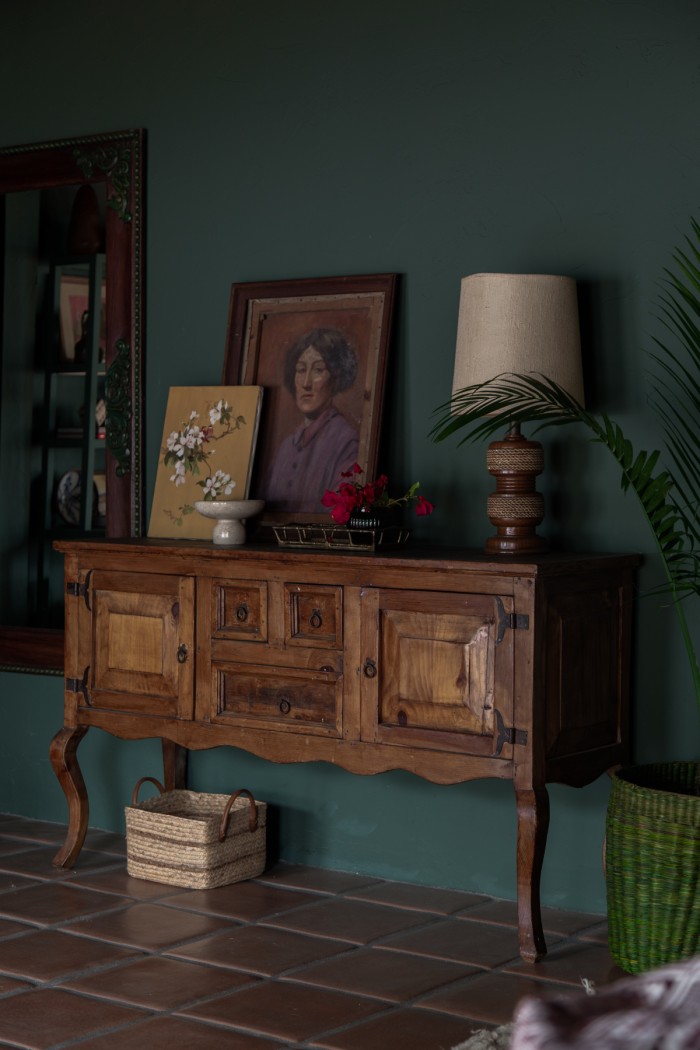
(659, 1010)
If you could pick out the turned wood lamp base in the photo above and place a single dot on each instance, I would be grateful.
(515, 508)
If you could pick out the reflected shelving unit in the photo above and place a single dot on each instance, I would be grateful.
(47, 214)
(70, 418)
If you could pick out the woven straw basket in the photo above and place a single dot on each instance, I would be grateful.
(191, 839)
(653, 865)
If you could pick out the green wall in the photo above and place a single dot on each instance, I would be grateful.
(431, 139)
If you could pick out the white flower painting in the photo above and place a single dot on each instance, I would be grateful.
(206, 454)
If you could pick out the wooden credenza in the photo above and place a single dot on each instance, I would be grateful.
(452, 666)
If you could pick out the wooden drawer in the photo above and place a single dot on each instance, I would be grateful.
(288, 699)
(239, 610)
(313, 615)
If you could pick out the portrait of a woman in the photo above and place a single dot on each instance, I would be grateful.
(320, 364)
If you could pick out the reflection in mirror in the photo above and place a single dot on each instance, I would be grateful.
(71, 364)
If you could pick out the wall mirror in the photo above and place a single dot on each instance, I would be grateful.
(71, 371)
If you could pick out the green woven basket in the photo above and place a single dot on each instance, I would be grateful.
(653, 865)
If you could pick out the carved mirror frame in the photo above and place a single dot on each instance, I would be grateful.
(116, 160)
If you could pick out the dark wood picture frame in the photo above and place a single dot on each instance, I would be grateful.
(266, 320)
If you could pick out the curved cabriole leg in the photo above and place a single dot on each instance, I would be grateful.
(65, 765)
(174, 765)
(533, 823)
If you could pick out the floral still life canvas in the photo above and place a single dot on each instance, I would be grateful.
(206, 453)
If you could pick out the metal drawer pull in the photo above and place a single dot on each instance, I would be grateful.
(182, 654)
(316, 620)
(242, 613)
(285, 707)
(370, 669)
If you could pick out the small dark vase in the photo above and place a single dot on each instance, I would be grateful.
(374, 517)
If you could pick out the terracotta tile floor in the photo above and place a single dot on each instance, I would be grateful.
(300, 957)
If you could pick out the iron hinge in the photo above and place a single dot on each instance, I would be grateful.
(510, 621)
(80, 590)
(507, 734)
(79, 685)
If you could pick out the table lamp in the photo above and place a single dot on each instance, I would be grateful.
(517, 323)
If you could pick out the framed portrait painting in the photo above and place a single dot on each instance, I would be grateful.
(319, 348)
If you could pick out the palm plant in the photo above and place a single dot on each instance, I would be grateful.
(669, 495)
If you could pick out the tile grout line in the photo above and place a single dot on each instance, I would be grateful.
(429, 920)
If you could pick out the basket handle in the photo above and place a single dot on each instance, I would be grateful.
(252, 816)
(144, 780)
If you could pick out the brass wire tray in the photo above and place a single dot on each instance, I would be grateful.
(340, 537)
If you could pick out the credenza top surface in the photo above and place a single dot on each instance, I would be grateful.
(414, 556)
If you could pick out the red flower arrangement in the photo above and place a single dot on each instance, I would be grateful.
(352, 495)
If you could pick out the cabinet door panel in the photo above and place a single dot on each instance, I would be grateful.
(142, 652)
(438, 671)
(444, 664)
(583, 685)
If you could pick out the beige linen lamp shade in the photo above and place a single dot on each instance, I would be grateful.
(514, 322)
(517, 323)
